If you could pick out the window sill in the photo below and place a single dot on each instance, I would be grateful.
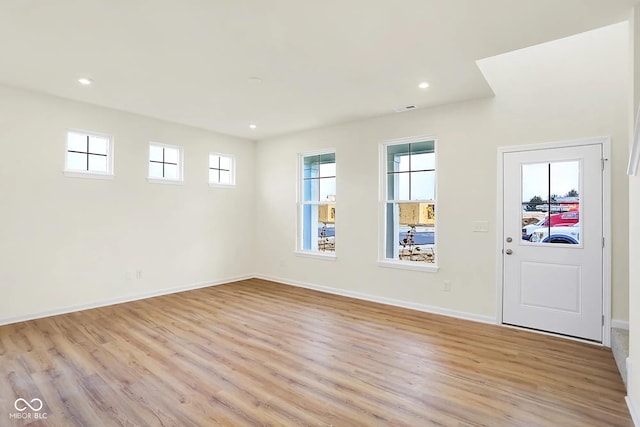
(215, 185)
(165, 181)
(88, 175)
(408, 265)
(317, 255)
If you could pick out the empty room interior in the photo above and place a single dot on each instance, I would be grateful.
(363, 213)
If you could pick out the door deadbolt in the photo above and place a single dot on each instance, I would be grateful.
(509, 240)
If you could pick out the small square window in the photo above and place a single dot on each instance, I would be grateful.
(222, 170)
(165, 163)
(88, 154)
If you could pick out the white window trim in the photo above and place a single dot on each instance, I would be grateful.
(171, 181)
(383, 261)
(74, 173)
(299, 251)
(326, 256)
(233, 170)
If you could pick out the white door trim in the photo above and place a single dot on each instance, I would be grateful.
(605, 141)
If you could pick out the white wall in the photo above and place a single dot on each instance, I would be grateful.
(67, 242)
(568, 89)
(633, 383)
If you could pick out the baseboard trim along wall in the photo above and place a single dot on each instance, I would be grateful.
(635, 415)
(633, 410)
(620, 324)
(383, 300)
(120, 300)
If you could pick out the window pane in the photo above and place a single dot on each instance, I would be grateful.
(76, 142)
(391, 231)
(170, 171)
(76, 161)
(98, 163)
(214, 161)
(311, 190)
(565, 184)
(398, 186)
(423, 185)
(155, 170)
(171, 155)
(155, 153)
(327, 169)
(423, 161)
(327, 189)
(225, 177)
(225, 163)
(214, 176)
(397, 157)
(551, 202)
(98, 145)
(327, 158)
(311, 166)
(423, 147)
(309, 227)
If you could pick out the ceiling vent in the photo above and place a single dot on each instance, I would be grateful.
(404, 108)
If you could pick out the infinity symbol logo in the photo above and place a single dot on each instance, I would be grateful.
(37, 404)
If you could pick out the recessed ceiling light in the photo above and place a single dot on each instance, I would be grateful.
(85, 81)
(423, 85)
(252, 126)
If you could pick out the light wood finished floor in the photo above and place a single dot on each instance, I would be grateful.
(261, 353)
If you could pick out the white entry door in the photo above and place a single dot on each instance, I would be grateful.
(553, 240)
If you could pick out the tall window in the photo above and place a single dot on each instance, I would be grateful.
(165, 163)
(318, 202)
(222, 170)
(88, 153)
(409, 200)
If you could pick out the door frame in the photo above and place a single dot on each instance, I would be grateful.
(605, 141)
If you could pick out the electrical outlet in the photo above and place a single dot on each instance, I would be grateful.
(447, 286)
(139, 274)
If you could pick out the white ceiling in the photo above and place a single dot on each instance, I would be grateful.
(321, 62)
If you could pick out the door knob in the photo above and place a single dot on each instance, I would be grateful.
(508, 252)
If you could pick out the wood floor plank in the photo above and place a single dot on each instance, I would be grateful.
(260, 353)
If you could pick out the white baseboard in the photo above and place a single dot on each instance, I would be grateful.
(620, 324)
(635, 415)
(383, 300)
(633, 410)
(118, 300)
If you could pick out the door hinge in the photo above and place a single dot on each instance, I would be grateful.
(603, 320)
(603, 242)
(602, 161)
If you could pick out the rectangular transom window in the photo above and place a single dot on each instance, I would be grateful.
(165, 163)
(409, 202)
(317, 204)
(88, 153)
(222, 170)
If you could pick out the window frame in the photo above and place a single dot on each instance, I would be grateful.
(383, 261)
(232, 170)
(162, 180)
(81, 173)
(299, 247)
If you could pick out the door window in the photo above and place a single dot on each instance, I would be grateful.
(551, 203)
